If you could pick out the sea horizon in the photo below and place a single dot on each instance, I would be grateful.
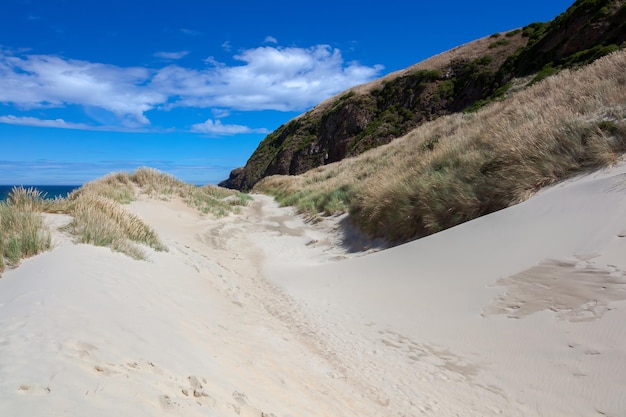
(49, 192)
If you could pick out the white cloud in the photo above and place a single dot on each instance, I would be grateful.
(39, 81)
(210, 60)
(220, 113)
(226, 46)
(33, 121)
(271, 78)
(270, 39)
(57, 123)
(266, 78)
(171, 55)
(219, 129)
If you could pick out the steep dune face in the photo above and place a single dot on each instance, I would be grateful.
(466, 77)
(517, 313)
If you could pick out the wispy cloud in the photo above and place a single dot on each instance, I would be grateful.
(60, 124)
(270, 39)
(40, 81)
(265, 78)
(33, 121)
(226, 46)
(172, 56)
(220, 113)
(190, 32)
(218, 129)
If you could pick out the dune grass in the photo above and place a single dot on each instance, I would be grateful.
(22, 230)
(98, 216)
(100, 221)
(462, 166)
(125, 187)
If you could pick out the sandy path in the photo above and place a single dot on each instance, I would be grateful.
(196, 330)
(239, 246)
(519, 313)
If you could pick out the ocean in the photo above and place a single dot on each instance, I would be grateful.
(50, 191)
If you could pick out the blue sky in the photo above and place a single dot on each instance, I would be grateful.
(192, 87)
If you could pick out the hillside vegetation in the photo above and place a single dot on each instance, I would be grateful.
(465, 165)
(22, 230)
(461, 80)
(98, 216)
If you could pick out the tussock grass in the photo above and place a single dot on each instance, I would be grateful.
(22, 230)
(116, 186)
(462, 166)
(125, 187)
(100, 221)
(98, 217)
(208, 199)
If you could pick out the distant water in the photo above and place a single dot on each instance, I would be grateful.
(50, 191)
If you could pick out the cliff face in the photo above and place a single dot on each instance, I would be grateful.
(467, 77)
(588, 30)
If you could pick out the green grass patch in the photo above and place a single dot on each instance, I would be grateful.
(499, 42)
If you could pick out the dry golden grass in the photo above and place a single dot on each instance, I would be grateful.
(125, 187)
(459, 167)
(22, 230)
(100, 221)
(116, 186)
(99, 218)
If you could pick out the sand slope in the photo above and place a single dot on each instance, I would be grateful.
(519, 313)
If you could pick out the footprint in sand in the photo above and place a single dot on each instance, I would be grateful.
(167, 402)
(34, 389)
(196, 390)
(80, 349)
(244, 410)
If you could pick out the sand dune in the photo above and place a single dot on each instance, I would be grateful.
(519, 313)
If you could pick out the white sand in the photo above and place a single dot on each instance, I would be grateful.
(519, 313)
